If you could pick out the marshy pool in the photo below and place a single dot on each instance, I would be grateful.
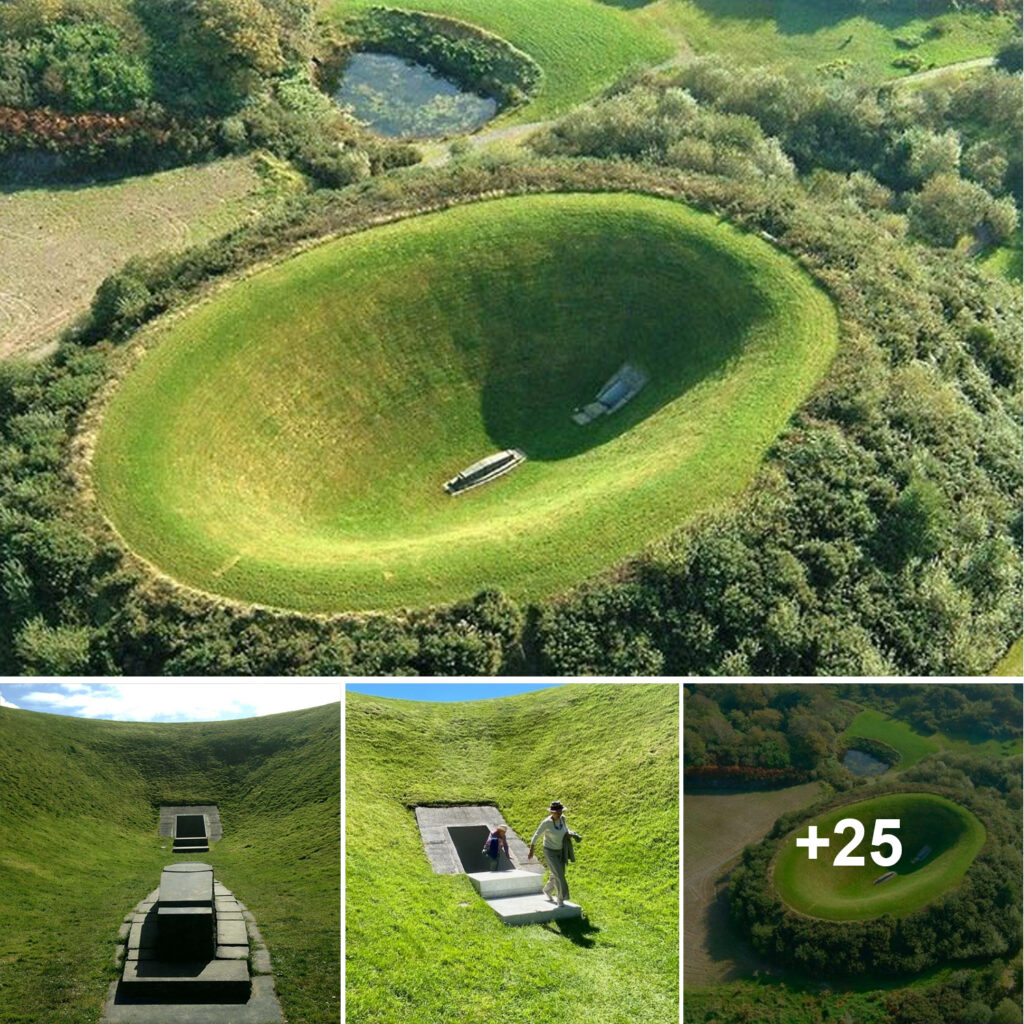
(860, 763)
(400, 99)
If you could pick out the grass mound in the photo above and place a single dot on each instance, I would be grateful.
(423, 948)
(79, 847)
(286, 443)
(819, 889)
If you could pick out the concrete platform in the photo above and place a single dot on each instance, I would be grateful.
(226, 981)
(495, 884)
(262, 1007)
(188, 884)
(531, 909)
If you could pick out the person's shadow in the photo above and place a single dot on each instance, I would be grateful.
(576, 929)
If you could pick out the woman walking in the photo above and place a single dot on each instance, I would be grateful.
(555, 831)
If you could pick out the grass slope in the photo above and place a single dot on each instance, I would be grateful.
(821, 889)
(1012, 662)
(582, 46)
(79, 847)
(57, 244)
(809, 33)
(424, 949)
(286, 443)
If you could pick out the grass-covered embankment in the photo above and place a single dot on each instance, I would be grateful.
(422, 948)
(820, 887)
(79, 846)
(286, 442)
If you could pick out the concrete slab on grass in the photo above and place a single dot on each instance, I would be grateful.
(532, 909)
(261, 1008)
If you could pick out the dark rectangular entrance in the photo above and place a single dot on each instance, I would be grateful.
(469, 844)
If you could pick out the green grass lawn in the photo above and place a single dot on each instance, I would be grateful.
(79, 847)
(287, 442)
(1006, 262)
(59, 243)
(1011, 663)
(819, 888)
(423, 948)
(581, 46)
(873, 725)
(912, 745)
(809, 33)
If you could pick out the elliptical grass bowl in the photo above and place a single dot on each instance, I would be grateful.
(286, 442)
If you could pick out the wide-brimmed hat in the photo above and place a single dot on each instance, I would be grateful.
(556, 805)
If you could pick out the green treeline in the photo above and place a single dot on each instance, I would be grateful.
(186, 81)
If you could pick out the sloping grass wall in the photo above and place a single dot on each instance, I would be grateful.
(424, 949)
(79, 847)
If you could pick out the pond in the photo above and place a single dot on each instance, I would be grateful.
(404, 100)
(859, 763)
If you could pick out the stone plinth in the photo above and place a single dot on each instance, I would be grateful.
(495, 884)
(531, 909)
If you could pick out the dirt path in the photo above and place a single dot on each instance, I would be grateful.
(717, 826)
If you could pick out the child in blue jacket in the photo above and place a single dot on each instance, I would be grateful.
(496, 842)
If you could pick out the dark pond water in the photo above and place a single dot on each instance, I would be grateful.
(404, 100)
(859, 763)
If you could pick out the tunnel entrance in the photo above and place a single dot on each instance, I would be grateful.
(469, 842)
(190, 826)
(453, 839)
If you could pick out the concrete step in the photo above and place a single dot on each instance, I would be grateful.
(531, 909)
(215, 981)
(495, 884)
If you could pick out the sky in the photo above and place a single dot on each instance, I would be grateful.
(183, 701)
(446, 692)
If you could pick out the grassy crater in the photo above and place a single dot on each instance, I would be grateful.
(821, 889)
(286, 442)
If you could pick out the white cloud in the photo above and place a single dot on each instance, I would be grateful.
(5, 703)
(183, 701)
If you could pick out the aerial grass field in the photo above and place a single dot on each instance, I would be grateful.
(808, 34)
(286, 443)
(581, 46)
(717, 826)
(79, 847)
(848, 893)
(58, 243)
(912, 745)
(422, 948)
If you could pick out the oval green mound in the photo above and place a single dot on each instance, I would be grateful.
(819, 889)
(286, 442)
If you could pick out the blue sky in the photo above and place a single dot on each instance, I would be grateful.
(446, 691)
(180, 701)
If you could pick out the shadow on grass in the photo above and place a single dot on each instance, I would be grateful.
(576, 929)
(802, 17)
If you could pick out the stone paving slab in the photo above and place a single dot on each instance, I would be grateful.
(231, 933)
(232, 952)
(494, 884)
(262, 1008)
(261, 961)
(186, 884)
(531, 909)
